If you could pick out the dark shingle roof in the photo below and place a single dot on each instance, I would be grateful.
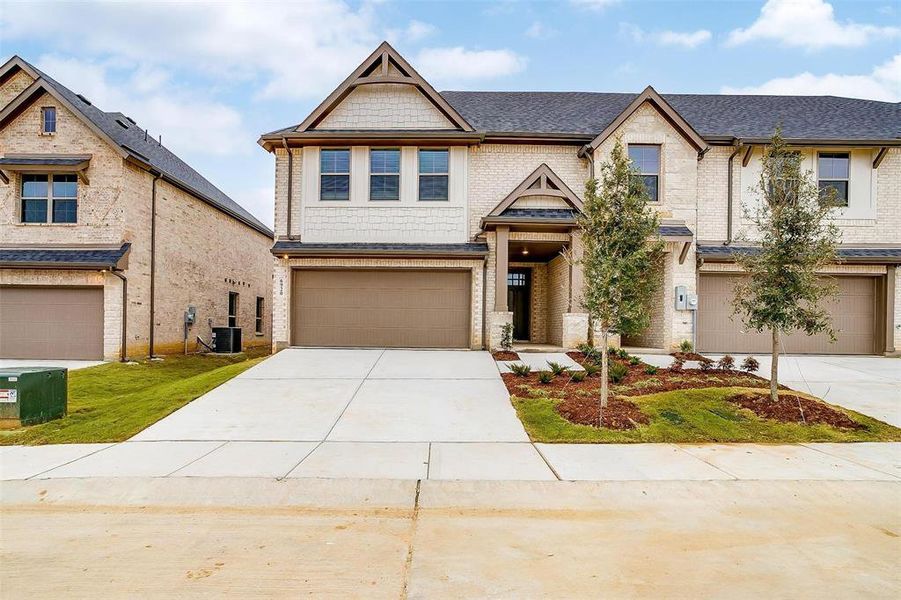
(566, 214)
(132, 140)
(86, 258)
(674, 230)
(42, 161)
(884, 252)
(742, 116)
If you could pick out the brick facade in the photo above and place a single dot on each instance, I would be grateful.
(201, 253)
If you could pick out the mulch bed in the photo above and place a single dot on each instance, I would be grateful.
(787, 410)
(688, 355)
(618, 414)
(504, 355)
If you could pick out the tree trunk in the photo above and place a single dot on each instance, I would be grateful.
(604, 370)
(774, 368)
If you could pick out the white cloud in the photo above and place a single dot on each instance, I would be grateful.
(459, 64)
(596, 5)
(808, 24)
(189, 121)
(883, 83)
(417, 30)
(685, 39)
(539, 31)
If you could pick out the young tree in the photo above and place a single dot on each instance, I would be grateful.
(782, 292)
(621, 253)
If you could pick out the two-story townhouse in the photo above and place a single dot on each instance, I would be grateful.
(107, 237)
(410, 218)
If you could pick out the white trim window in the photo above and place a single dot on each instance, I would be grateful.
(384, 174)
(646, 161)
(834, 172)
(334, 174)
(48, 120)
(49, 198)
(433, 174)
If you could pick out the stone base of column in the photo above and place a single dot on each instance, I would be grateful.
(613, 341)
(496, 322)
(279, 345)
(575, 329)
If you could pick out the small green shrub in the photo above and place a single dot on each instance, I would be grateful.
(556, 368)
(650, 369)
(634, 361)
(617, 371)
(726, 363)
(592, 370)
(578, 376)
(686, 346)
(677, 365)
(611, 351)
(507, 336)
(622, 353)
(705, 364)
(520, 369)
(750, 365)
(545, 377)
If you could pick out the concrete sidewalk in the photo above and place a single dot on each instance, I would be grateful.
(211, 538)
(455, 461)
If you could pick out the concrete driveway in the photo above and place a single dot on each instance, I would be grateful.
(354, 413)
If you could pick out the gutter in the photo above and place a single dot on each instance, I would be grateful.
(290, 183)
(729, 193)
(156, 178)
(124, 279)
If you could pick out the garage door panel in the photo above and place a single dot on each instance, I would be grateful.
(51, 322)
(381, 308)
(853, 317)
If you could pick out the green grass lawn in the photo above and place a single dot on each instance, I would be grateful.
(695, 415)
(112, 402)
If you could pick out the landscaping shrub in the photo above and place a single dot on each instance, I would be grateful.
(592, 370)
(726, 363)
(507, 336)
(650, 369)
(556, 368)
(617, 372)
(677, 365)
(611, 351)
(622, 353)
(634, 361)
(520, 369)
(686, 346)
(578, 376)
(750, 365)
(591, 353)
(705, 363)
(545, 376)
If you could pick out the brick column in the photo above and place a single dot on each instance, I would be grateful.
(577, 279)
(500, 273)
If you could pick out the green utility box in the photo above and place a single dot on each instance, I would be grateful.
(30, 395)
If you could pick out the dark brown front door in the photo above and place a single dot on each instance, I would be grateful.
(518, 288)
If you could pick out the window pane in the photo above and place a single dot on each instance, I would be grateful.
(334, 161)
(384, 161)
(49, 124)
(384, 187)
(433, 187)
(65, 186)
(833, 165)
(650, 184)
(433, 161)
(335, 187)
(34, 186)
(34, 211)
(65, 211)
(841, 191)
(645, 158)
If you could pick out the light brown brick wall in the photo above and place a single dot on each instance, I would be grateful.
(14, 86)
(557, 298)
(385, 106)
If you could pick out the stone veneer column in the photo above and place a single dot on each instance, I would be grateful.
(501, 262)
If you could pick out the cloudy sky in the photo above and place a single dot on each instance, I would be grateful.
(211, 77)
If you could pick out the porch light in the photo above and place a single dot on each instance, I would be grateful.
(525, 251)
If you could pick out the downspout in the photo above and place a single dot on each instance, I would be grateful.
(729, 193)
(290, 184)
(156, 178)
(124, 312)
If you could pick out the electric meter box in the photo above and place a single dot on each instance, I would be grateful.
(30, 395)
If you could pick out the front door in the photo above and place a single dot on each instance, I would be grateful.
(518, 288)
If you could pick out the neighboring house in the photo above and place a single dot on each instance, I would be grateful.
(107, 237)
(408, 217)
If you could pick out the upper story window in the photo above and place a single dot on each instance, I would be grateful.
(833, 172)
(334, 174)
(52, 198)
(384, 174)
(48, 119)
(433, 174)
(646, 160)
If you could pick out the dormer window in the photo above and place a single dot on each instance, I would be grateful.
(833, 173)
(48, 120)
(334, 174)
(646, 161)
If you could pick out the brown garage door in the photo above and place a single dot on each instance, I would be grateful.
(51, 322)
(399, 309)
(853, 317)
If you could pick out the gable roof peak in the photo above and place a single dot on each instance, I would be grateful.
(540, 182)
